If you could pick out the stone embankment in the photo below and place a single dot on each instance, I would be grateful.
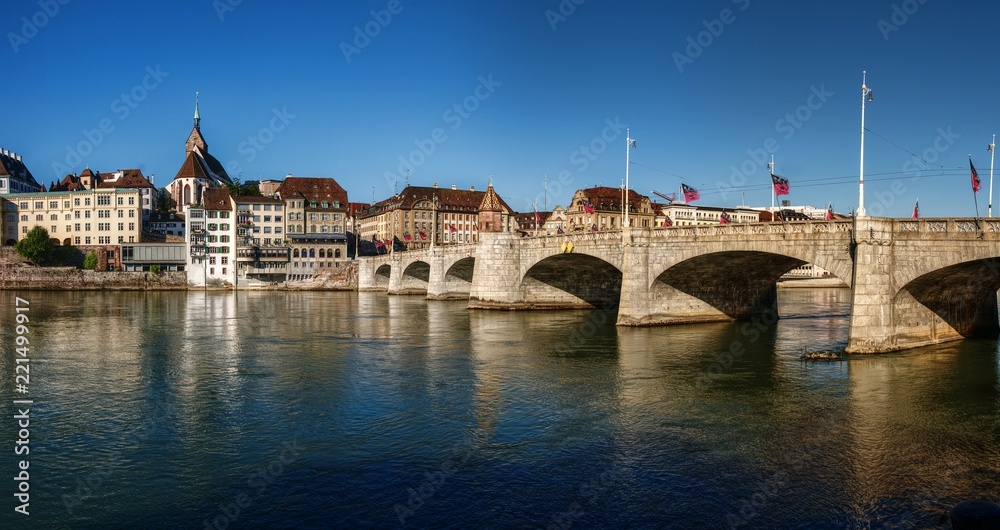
(28, 277)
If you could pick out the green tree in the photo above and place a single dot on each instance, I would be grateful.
(36, 247)
(163, 201)
(90, 262)
(155, 269)
(243, 190)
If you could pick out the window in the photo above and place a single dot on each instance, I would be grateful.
(86, 201)
(121, 226)
(39, 217)
(39, 205)
(131, 226)
(211, 260)
(53, 205)
(86, 226)
(121, 213)
(121, 201)
(24, 217)
(225, 260)
(53, 229)
(131, 213)
(87, 214)
(103, 200)
(54, 217)
(131, 201)
(87, 240)
(24, 205)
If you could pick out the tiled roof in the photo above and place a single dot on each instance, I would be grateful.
(10, 166)
(191, 168)
(313, 189)
(217, 199)
(447, 200)
(355, 208)
(610, 199)
(131, 178)
(70, 182)
(491, 201)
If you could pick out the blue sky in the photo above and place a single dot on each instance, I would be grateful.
(541, 88)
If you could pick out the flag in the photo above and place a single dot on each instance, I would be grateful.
(452, 228)
(538, 217)
(588, 208)
(780, 184)
(724, 218)
(975, 177)
(668, 222)
(632, 143)
(916, 209)
(407, 236)
(560, 231)
(593, 228)
(690, 194)
(829, 213)
(379, 244)
(989, 148)
(423, 235)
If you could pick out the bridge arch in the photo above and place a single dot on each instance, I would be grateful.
(457, 280)
(571, 280)
(382, 274)
(954, 301)
(414, 278)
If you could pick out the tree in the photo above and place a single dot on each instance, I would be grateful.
(237, 189)
(163, 201)
(155, 269)
(90, 262)
(36, 247)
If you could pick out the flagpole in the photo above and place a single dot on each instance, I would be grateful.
(866, 93)
(771, 170)
(989, 212)
(628, 150)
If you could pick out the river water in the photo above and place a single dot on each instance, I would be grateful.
(346, 410)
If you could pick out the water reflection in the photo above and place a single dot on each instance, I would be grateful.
(456, 418)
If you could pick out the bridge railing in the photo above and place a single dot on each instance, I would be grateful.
(949, 226)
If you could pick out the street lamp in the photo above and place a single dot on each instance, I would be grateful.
(866, 95)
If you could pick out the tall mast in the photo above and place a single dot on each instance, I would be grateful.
(770, 169)
(989, 211)
(866, 94)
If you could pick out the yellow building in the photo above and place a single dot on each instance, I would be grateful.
(91, 217)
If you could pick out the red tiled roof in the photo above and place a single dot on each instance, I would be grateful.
(217, 199)
(130, 179)
(610, 199)
(313, 189)
(191, 168)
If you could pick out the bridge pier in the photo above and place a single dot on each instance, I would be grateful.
(891, 310)
(496, 278)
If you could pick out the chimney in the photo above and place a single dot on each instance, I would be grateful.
(454, 187)
(472, 188)
(18, 158)
(435, 185)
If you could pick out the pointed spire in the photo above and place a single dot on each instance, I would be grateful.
(197, 115)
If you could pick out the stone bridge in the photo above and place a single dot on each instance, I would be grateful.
(913, 281)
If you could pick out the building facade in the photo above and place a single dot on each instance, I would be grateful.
(420, 217)
(261, 248)
(89, 217)
(681, 214)
(600, 208)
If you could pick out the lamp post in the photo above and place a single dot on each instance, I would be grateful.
(866, 95)
(992, 149)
